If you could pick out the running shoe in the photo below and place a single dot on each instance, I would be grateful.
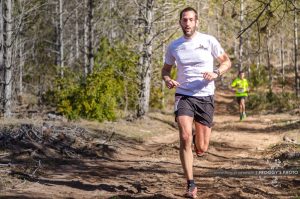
(244, 116)
(241, 116)
(191, 192)
(199, 153)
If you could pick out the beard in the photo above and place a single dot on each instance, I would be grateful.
(188, 32)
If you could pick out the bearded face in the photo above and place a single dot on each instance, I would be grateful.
(188, 23)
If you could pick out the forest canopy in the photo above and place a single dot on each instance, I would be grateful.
(102, 59)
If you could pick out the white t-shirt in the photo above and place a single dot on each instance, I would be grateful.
(192, 57)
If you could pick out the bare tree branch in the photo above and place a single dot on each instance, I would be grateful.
(256, 19)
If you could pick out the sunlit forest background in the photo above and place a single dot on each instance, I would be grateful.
(102, 60)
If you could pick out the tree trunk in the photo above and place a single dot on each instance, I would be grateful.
(296, 46)
(249, 59)
(21, 65)
(258, 58)
(163, 85)
(269, 63)
(8, 59)
(20, 48)
(71, 51)
(112, 29)
(85, 40)
(90, 35)
(140, 111)
(76, 32)
(126, 98)
(60, 38)
(2, 67)
(241, 37)
(282, 62)
(145, 61)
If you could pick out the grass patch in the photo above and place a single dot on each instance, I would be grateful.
(138, 130)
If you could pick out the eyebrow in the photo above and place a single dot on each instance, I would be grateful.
(188, 18)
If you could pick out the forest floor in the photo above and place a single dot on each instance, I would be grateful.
(140, 159)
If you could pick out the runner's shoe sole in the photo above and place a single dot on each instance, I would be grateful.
(199, 153)
(191, 193)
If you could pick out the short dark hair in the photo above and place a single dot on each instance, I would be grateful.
(189, 9)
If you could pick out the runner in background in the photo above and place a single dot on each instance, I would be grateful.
(241, 86)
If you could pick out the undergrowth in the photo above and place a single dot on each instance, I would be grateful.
(279, 102)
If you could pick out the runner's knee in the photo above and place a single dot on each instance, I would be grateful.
(185, 139)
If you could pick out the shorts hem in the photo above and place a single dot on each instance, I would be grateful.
(205, 124)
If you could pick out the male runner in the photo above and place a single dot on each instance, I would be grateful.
(193, 54)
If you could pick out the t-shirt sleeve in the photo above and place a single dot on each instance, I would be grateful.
(233, 84)
(169, 58)
(216, 48)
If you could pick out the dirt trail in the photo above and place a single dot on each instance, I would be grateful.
(151, 169)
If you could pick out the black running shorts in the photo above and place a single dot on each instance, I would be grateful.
(200, 108)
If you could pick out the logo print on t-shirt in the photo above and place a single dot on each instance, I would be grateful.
(202, 47)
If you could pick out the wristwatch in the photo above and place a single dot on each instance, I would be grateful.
(217, 71)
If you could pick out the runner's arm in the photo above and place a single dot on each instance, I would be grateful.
(233, 84)
(225, 64)
(166, 76)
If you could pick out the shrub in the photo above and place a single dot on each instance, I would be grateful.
(103, 92)
(258, 77)
(270, 101)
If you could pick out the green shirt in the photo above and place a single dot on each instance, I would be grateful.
(241, 86)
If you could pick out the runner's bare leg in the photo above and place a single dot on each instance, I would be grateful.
(243, 105)
(185, 124)
(202, 138)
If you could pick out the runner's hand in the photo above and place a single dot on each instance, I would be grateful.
(172, 83)
(209, 75)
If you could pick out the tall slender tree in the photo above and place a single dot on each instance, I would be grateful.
(282, 61)
(296, 48)
(269, 61)
(241, 36)
(145, 66)
(90, 21)
(60, 37)
(8, 49)
(76, 31)
(2, 66)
